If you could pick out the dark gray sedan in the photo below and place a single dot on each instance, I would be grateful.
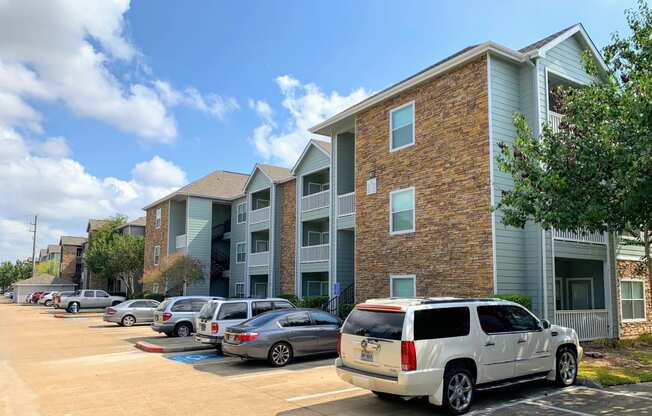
(279, 336)
(131, 312)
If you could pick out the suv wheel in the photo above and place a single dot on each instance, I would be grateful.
(458, 390)
(566, 367)
(280, 354)
(184, 329)
(48, 303)
(128, 320)
(73, 307)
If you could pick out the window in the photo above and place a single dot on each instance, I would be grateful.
(296, 319)
(89, 294)
(101, 294)
(450, 322)
(260, 307)
(375, 324)
(183, 305)
(325, 186)
(239, 290)
(157, 255)
(158, 218)
(233, 311)
(241, 213)
(497, 319)
(262, 246)
(313, 188)
(197, 304)
(140, 304)
(403, 286)
(317, 288)
(314, 238)
(155, 288)
(401, 126)
(632, 299)
(283, 305)
(261, 203)
(401, 207)
(240, 252)
(580, 293)
(152, 304)
(79, 251)
(323, 318)
(324, 238)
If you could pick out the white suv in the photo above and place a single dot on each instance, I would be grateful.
(448, 348)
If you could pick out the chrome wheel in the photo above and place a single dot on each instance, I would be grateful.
(128, 320)
(280, 354)
(460, 391)
(567, 368)
(183, 331)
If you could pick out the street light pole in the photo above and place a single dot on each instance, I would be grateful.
(34, 245)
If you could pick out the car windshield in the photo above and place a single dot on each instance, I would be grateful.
(375, 324)
(208, 310)
(76, 293)
(163, 305)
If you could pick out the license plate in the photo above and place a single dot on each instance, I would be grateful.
(202, 327)
(156, 317)
(367, 356)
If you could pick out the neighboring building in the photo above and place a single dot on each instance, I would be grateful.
(54, 252)
(89, 279)
(41, 282)
(43, 255)
(135, 227)
(70, 266)
(196, 219)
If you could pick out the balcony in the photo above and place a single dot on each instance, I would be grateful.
(346, 204)
(259, 215)
(315, 253)
(580, 237)
(589, 324)
(259, 259)
(316, 201)
(554, 119)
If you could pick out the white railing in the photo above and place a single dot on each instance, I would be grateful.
(346, 204)
(259, 259)
(316, 200)
(589, 324)
(315, 253)
(259, 215)
(580, 237)
(180, 241)
(554, 119)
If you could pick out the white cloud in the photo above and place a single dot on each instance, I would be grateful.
(53, 147)
(307, 105)
(158, 172)
(212, 104)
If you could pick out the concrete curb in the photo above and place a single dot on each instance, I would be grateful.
(149, 347)
(75, 316)
(587, 382)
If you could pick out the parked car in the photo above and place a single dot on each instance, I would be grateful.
(280, 336)
(447, 349)
(9, 295)
(45, 297)
(89, 298)
(216, 315)
(131, 312)
(35, 297)
(175, 317)
(56, 299)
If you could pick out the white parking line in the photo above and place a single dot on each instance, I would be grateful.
(521, 401)
(559, 409)
(275, 372)
(328, 393)
(621, 393)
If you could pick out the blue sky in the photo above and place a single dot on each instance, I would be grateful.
(122, 103)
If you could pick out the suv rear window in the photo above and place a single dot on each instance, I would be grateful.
(375, 324)
(163, 305)
(441, 323)
(233, 311)
(208, 310)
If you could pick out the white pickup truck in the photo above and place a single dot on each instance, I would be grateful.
(88, 299)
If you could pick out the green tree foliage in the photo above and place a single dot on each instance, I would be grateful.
(595, 173)
(50, 267)
(10, 273)
(175, 272)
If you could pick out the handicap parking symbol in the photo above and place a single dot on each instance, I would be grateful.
(193, 358)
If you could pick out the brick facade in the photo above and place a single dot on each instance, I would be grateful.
(627, 270)
(287, 192)
(155, 237)
(449, 165)
(69, 261)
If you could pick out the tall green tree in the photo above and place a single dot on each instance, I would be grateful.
(96, 256)
(595, 173)
(175, 272)
(7, 274)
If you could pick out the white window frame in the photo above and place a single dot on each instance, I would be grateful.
(157, 221)
(569, 292)
(157, 255)
(644, 318)
(261, 241)
(393, 277)
(244, 251)
(316, 185)
(258, 201)
(391, 127)
(414, 211)
(244, 212)
(239, 293)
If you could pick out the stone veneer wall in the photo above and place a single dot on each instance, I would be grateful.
(627, 269)
(69, 263)
(287, 193)
(449, 166)
(154, 237)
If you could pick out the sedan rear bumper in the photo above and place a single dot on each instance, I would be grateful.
(250, 351)
(111, 318)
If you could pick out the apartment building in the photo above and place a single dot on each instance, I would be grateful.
(71, 250)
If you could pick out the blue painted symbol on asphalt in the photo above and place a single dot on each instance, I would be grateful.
(192, 358)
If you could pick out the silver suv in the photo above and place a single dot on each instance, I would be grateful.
(175, 317)
(88, 298)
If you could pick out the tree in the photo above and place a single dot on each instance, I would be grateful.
(595, 173)
(176, 272)
(7, 275)
(50, 267)
(96, 256)
(125, 256)
(22, 270)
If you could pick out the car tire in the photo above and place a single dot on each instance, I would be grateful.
(73, 307)
(280, 354)
(128, 320)
(48, 303)
(183, 329)
(566, 367)
(458, 390)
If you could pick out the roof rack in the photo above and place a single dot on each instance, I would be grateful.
(432, 301)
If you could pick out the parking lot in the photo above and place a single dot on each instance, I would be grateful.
(83, 366)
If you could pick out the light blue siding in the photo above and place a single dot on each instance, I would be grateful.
(238, 234)
(259, 226)
(258, 181)
(315, 214)
(199, 240)
(313, 159)
(317, 266)
(177, 222)
(346, 222)
(345, 254)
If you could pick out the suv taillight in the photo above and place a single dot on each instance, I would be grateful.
(167, 316)
(408, 356)
(110, 311)
(215, 328)
(339, 344)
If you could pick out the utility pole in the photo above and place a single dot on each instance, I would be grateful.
(34, 224)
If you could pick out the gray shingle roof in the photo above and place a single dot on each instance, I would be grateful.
(276, 173)
(324, 145)
(67, 240)
(542, 42)
(54, 248)
(44, 279)
(94, 225)
(138, 222)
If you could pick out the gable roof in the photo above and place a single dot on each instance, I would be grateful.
(54, 248)
(44, 279)
(275, 174)
(138, 222)
(43, 252)
(67, 240)
(323, 146)
(220, 184)
(542, 42)
(94, 225)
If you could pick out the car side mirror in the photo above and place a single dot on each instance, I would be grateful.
(545, 324)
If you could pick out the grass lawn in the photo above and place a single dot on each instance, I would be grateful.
(625, 361)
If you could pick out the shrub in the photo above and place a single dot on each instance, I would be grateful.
(345, 310)
(522, 300)
(154, 296)
(292, 298)
(313, 301)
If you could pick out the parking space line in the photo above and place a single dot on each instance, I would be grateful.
(328, 393)
(558, 409)
(621, 393)
(275, 372)
(521, 401)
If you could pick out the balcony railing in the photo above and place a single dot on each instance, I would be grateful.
(580, 237)
(180, 241)
(259, 259)
(315, 253)
(554, 119)
(346, 204)
(589, 324)
(316, 200)
(259, 215)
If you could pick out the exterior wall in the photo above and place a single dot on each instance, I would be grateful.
(628, 269)
(449, 166)
(238, 235)
(275, 240)
(69, 261)
(177, 223)
(258, 182)
(156, 237)
(199, 240)
(287, 226)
